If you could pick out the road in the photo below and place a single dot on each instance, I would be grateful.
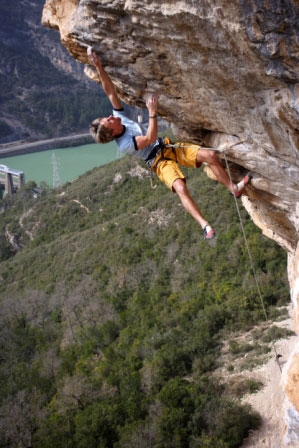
(22, 147)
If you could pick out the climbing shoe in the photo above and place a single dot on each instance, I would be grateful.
(241, 185)
(208, 232)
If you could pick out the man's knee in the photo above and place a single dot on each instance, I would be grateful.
(207, 156)
(179, 186)
(212, 158)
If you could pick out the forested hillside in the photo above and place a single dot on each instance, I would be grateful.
(43, 92)
(115, 310)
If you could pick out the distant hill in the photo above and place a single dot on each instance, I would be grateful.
(43, 91)
(115, 314)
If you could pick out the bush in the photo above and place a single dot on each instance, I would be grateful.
(137, 309)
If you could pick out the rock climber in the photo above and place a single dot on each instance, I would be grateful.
(131, 138)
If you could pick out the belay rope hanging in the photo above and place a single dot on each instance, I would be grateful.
(223, 149)
(277, 356)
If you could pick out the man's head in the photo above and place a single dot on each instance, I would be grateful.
(104, 130)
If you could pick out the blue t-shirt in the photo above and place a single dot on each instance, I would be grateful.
(126, 142)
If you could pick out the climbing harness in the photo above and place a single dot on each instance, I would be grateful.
(164, 143)
(154, 152)
(151, 158)
(158, 150)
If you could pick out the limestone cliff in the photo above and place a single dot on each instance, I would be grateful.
(225, 72)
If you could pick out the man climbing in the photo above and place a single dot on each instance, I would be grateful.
(163, 160)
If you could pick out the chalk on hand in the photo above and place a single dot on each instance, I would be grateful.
(89, 51)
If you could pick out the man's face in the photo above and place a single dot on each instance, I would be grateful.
(113, 123)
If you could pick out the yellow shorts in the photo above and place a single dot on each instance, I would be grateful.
(167, 167)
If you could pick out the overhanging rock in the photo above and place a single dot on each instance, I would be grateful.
(224, 71)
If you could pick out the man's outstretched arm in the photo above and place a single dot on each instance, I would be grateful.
(105, 80)
(152, 132)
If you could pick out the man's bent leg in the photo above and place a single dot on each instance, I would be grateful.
(210, 157)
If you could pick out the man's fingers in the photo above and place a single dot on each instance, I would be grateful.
(152, 99)
(92, 56)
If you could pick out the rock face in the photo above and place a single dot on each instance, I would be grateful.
(225, 72)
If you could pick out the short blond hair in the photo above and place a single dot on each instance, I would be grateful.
(100, 133)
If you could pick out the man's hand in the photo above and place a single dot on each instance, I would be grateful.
(104, 79)
(152, 104)
(152, 132)
(93, 57)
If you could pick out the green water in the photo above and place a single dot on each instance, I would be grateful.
(58, 166)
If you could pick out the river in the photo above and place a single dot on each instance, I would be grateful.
(58, 166)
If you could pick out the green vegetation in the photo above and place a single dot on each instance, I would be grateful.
(4, 129)
(115, 310)
(65, 106)
(37, 98)
(240, 386)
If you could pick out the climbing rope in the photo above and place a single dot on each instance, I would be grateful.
(223, 149)
(277, 356)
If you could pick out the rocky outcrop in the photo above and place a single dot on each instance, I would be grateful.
(225, 72)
